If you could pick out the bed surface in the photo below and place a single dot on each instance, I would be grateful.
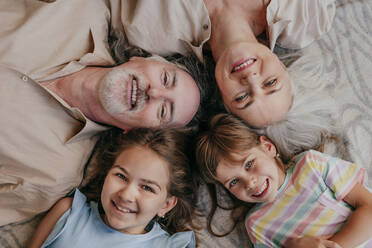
(344, 55)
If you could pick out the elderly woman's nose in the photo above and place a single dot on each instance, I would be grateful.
(250, 77)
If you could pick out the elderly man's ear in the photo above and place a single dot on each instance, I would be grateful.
(125, 131)
(135, 58)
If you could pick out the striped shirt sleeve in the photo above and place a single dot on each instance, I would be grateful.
(340, 175)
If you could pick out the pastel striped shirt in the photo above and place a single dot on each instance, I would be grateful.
(309, 203)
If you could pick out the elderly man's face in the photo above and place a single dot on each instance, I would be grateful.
(148, 92)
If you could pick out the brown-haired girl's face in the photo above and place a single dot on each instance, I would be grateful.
(135, 190)
(254, 175)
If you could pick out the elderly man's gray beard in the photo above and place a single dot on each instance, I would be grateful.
(115, 89)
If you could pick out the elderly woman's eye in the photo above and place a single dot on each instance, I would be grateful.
(271, 83)
(241, 97)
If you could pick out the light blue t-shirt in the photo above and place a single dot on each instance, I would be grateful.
(82, 226)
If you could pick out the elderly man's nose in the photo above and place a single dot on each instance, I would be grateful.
(155, 93)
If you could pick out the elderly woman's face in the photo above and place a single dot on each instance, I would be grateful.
(254, 84)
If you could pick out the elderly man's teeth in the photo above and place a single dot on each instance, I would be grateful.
(248, 62)
(134, 92)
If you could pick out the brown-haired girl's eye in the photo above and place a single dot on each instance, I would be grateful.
(148, 188)
(121, 176)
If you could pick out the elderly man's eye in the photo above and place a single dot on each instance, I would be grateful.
(165, 78)
(241, 97)
(163, 111)
(271, 83)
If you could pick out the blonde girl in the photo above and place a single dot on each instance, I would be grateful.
(317, 201)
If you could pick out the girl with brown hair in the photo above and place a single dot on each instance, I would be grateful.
(144, 183)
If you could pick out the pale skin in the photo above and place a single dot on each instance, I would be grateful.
(247, 72)
(357, 227)
(168, 96)
(134, 191)
(49, 221)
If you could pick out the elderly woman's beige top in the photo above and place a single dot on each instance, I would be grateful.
(297, 23)
(49, 40)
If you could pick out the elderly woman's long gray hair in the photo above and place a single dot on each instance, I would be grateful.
(311, 118)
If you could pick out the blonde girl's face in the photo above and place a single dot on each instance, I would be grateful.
(254, 175)
(135, 190)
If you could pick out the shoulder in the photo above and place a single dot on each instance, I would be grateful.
(309, 162)
(63, 204)
(184, 239)
(295, 31)
(310, 156)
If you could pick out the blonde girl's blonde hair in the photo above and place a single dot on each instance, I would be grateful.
(225, 135)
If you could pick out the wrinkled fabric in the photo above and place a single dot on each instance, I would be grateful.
(296, 24)
(50, 40)
(44, 147)
(82, 226)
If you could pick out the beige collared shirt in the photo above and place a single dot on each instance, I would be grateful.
(44, 147)
(49, 40)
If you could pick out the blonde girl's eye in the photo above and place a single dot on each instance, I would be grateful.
(248, 164)
(241, 97)
(233, 182)
(271, 83)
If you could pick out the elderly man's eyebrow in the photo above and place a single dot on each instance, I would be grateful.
(174, 82)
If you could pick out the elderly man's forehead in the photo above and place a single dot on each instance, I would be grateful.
(174, 63)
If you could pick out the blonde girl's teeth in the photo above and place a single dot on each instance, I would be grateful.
(262, 189)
